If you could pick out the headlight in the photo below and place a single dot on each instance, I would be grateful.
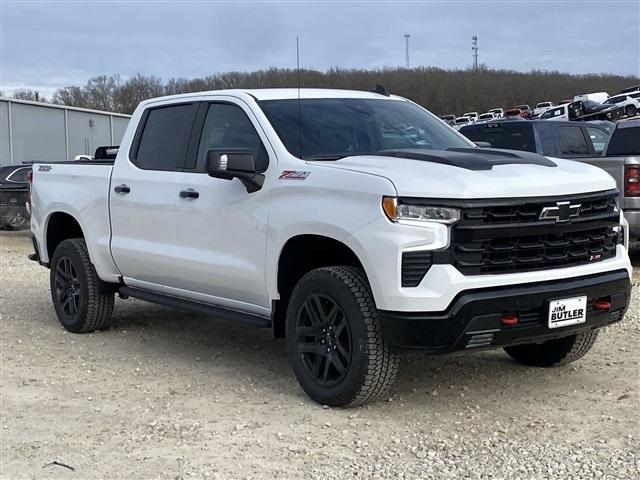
(408, 213)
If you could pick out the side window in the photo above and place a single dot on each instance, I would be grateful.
(226, 126)
(163, 143)
(19, 175)
(571, 141)
(598, 138)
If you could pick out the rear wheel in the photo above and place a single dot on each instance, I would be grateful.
(630, 110)
(554, 352)
(82, 301)
(14, 219)
(334, 339)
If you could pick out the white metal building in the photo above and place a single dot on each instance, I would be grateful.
(35, 131)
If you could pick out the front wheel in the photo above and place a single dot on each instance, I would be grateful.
(630, 110)
(82, 301)
(554, 352)
(334, 338)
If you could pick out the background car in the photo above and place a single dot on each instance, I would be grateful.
(594, 97)
(448, 119)
(513, 112)
(554, 139)
(527, 111)
(498, 112)
(473, 116)
(14, 194)
(629, 101)
(460, 121)
(485, 117)
(541, 107)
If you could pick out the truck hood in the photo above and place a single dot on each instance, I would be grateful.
(478, 173)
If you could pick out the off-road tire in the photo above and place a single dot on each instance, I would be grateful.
(630, 111)
(372, 368)
(554, 352)
(95, 298)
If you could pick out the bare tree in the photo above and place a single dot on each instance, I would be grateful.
(27, 94)
(442, 91)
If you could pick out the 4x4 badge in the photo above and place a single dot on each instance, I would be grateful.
(561, 212)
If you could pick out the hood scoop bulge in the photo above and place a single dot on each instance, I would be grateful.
(470, 158)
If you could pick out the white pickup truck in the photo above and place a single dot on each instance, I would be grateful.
(357, 225)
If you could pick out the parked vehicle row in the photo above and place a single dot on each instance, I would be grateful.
(583, 107)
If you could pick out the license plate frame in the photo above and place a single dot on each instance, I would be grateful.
(564, 312)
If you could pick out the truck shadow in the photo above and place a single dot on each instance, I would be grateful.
(231, 354)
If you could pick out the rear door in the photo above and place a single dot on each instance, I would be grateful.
(220, 227)
(143, 196)
(571, 142)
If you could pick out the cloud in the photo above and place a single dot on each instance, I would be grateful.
(50, 45)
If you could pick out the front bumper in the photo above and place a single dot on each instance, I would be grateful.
(473, 320)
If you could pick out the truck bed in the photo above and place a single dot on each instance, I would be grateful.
(81, 190)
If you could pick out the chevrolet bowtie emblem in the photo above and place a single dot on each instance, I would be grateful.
(561, 212)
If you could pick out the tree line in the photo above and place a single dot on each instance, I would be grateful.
(441, 91)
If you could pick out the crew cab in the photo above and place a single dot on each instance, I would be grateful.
(356, 225)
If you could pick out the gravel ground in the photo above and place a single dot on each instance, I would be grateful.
(169, 394)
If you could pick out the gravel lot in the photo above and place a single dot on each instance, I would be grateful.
(169, 394)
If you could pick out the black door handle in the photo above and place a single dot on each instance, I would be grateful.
(189, 193)
(122, 189)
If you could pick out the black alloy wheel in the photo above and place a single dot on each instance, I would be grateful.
(67, 287)
(323, 340)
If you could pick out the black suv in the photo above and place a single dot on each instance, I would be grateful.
(14, 194)
(551, 138)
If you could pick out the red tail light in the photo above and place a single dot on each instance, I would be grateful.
(632, 181)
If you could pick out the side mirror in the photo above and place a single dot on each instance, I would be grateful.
(234, 163)
(483, 144)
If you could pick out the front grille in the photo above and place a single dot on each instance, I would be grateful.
(511, 238)
(529, 211)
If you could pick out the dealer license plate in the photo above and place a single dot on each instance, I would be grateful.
(568, 311)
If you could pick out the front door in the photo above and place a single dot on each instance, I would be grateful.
(221, 228)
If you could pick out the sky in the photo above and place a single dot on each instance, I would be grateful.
(47, 45)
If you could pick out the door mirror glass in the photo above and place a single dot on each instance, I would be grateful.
(234, 163)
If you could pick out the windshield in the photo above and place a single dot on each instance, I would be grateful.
(591, 104)
(327, 128)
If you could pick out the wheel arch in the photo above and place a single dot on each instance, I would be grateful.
(60, 226)
(299, 255)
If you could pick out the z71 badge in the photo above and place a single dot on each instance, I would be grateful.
(293, 175)
(44, 168)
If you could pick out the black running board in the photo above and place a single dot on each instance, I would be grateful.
(213, 310)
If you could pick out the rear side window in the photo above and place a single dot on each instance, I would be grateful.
(625, 141)
(19, 175)
(228, 127)
(598, 138)
(164, 139)
(571, 141)
(509, 135)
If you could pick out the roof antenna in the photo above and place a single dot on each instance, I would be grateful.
(381, 90)
(299, 107)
